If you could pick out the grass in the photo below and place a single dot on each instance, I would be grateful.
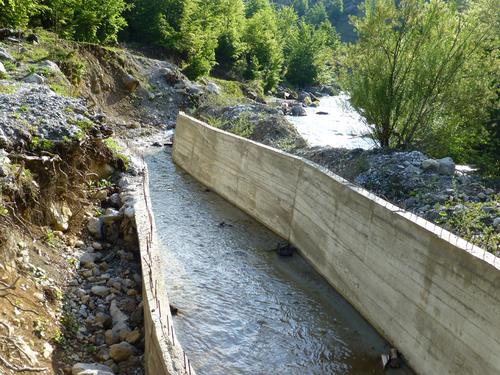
(8, 89)
(473, 222)
(117, 151)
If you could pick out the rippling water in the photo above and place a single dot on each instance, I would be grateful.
(243, 309)
(341, 127)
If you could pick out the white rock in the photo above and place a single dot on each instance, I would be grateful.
(95, 227)
(51, 66)
(430, 165)
(213, 88)
(47, 350)
(4, 55)
(496, 222)
(91, 369)
(2, 69)
(100, 290)
(446, 166)
(34, 78)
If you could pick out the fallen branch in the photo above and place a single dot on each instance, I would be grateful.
(19, 307)
(13, 367)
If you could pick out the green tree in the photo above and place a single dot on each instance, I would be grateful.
(230, 46)
(416, 67)
(317, 14)
(264, 52)
(310, 51)
(17, 13)
(97, 21)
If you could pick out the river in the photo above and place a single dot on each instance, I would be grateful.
(244, 309)
(340, 127)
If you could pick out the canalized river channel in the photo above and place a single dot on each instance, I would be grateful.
(243, 309)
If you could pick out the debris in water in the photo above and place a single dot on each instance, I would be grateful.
(321, 113)
(285, 249)
(223, 224)
(173, 310)
(392, 359)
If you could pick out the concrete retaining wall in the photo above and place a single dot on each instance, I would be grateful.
(430, 293)
(163, 354)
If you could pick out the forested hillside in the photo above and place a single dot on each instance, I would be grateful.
(424, 74)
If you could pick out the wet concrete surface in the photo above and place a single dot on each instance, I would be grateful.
(243, 309)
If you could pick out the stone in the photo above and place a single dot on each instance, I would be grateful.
(121, 352)
(446, 166)
(102, 320)
(4, 55)
(496, 222)
(96, 245)
(130, 82)
(3, 71)
(47, 350)
(213, 88)
(430, 165)
(61, 214)
(111, 337)
(96, 227)
(298, 110)
(133, 337)
(100, 290)
(91, 369)
(88, 259)
(51, 66)
(34, 78)
(115, 200)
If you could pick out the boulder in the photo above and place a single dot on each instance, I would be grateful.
(51, 66)
(298, 110)
(100, 290)
(130, 82)
(91, 369)
(60, 216)
(496, 222)
(96, 227)
(213, 88)
(3, 71)
(34, 78)
(4, 55)
(32, 38)
(121, 352)
(430, 165)
(446, 166)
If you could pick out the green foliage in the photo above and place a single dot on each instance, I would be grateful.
(117, 151)
(310, 52)
(420, 69)
(17, 13)
(264, 53)
(89, 21)
(473, 222)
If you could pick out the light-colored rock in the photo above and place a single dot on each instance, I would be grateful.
(446, 166)
(213, 88)
(34, 78)
(430, 165)
(4, 55)
(47, 350)
(61, 214)
(51, 66)
(298, 110)
(3, 71)
(96, 245)
(496, 222)
(121, 352)
(91, 369)
(100, 290)
(95, 227)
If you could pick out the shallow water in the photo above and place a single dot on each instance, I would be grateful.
(341, 127)
(243, 309)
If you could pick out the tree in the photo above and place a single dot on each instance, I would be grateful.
(416, 66)
(264, 53)
(96, 21)
(310, 50)
(17, 13)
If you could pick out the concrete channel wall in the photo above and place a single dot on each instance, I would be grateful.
(163, 354)
(431, 294)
